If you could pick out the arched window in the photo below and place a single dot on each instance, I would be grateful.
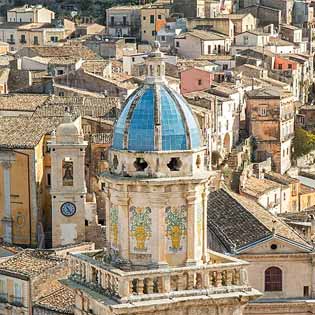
(273, 279)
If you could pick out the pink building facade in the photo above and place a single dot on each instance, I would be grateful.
(193, 80)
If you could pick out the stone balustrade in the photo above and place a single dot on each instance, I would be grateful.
(214, 277)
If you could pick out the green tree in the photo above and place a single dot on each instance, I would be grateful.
(303, 143)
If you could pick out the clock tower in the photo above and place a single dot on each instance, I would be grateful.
(68, 190)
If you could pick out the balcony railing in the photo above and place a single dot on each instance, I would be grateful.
(216, 277)
(102, 138)
(119, 24)
(16, 301)
(3, 297)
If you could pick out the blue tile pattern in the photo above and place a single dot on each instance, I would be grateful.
(141, 129)
(192, 125)
(174, 127)
(118, 137)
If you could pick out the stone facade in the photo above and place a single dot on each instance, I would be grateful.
(270, 120)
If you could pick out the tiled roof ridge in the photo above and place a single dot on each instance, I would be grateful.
(277, 219)
(41, 302)
(230, 193)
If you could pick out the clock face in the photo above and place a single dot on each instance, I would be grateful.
(68, 209)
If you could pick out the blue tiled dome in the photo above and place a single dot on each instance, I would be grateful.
(156, 118)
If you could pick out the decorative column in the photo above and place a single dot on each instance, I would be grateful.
(7, 215)
(205, 227)
(123, 219)
(191, 227)
(158, 205)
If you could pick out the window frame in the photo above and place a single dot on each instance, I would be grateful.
(273, 277)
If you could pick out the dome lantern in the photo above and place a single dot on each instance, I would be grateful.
(155, 63)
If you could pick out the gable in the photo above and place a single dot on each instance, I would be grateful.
(275, 245)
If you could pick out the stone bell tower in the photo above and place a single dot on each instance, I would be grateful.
(68, 190)
(156, 190)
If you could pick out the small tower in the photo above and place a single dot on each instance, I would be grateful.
(68, 189)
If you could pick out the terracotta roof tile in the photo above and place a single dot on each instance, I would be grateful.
(25, 132)
(239, 221)
(30, 262)
(61, 300)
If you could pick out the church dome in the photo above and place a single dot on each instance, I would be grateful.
(156, 118)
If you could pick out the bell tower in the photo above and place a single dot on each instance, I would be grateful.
(68, 190)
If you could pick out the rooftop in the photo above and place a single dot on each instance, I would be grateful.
(279, 42)
(238, 221)
(61, 300)
(268, 93)
(70, 51)
(304, 190)
(30, 263)
(256, 187)
(203, 35)
(281, 179)
(25, 132)
(22, 102)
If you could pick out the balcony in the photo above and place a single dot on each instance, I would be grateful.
(3, 297)
(16, 301)
(119, 24)
(101, 138)
(220, 275)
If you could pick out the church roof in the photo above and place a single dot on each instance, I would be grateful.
(156, 118)
(238, 221)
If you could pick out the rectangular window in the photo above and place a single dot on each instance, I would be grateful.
(17, 297)
(209, 50)
(199, 82)
(152, 19)
(60, 72)
(177, 44)
(153, 33)
(112, 20)
(289, 66)
(144, 18)
(280, 66)
(263, 111)
(2, 286)
(36, 40)
(163, 38)
(160, 17)
(23, 39)
(124, 20)
(48, 179)
(306, 291)
(54, 39)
